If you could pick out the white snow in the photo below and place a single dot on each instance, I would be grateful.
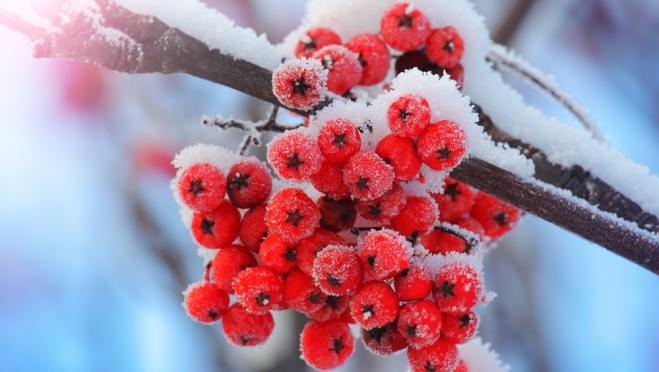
(480, 358)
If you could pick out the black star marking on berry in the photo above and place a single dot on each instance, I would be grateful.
(207, 226)
(245, 339)
(290, 254)
(332, 301)
(196, 187)
(310, 45)
(375, 210)
(447, 289)
(415, 235)
(340, 140)
(377, 334)
(411, 330)
(262, 299)
(370, 260)
(354, 231)
(405, 21)
(294, 218)
(429, 367)
(362, 61)
(300, 86)
(452, 191)
(332, 281)
(368, 309)
(468, 247)
(464, 320)
(213, 314)
(405, 272)
(294, 162)
(362, 183)
(501, 219)
(444, 153)
(449, 46)
(239, 182)
(345, 217)
(265, 235)
(315, 298)
(403, 114)
(337, 345)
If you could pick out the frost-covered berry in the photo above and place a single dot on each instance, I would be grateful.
(400, 153)
(442, 145)
(242, 328)
(445, 46)
(385, 207)
(457, 288)
(202, 187)
(299, 83)
(300, 292)
(217, 228)
(334, 307)
(248, 183)
(227, 263)
(374, 304)
(420, 322)
(413, 284)
(329, 180)
(384, 340)
(253, 228)
(294, 156)
(337, 215)
(442, 356)
(408, 115)
(308, 248)
(385, 254)
(277, 254)
(456, 201)
(374, 57)
(367, 176)
(337, 270)
(438, 241)
(412, 59)
(459, 328)
(343, 68)
(338, 140)
(258, 289)
(416, 218)
(404, 28)
(326, 345)
(205, 302)
(292, 215)
(496, 216)
(314, 39)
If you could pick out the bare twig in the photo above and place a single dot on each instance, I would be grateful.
(472, 240)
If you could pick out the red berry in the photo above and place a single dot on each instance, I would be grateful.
(308, 248)
(400, 153)
(202, 187)
(228, 262)
(408, 115)
(416, 218)
(374, 57)
(337, 215)
(457, 73)
(217, 228)
(461, 328)
(438, 241)
(445, 46)
(420, 322)
(299, 83)
(300, 292)
(374, 305)
(205, 302)
(242, 328)
(258, 289)
(294, 156)
(412, 59)
(314, 39)
(496, 216)
(367, 176)
(462, 367)
(292, 215)
(248, 183)
(384, 340)
(334, 307)
(456, 201)
(385, 207)
(337, 270)
(343, 68)
(326, 345)
(442, 145)
(329, 180)
(253, 229)
(442, 356)
(277, 254)
(404, 28)
(385, 254)
(457, 288)
(338, 140)
(413, 284)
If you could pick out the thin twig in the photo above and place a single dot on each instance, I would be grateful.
(472, 240)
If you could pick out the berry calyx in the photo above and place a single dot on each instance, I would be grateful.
(384, 340)
(442, 145)
(456, 201)
(408, 115)
(292, 215)
(277, 254)
(374, 305)
(242, 328)
(205, 302)
(299, 83)
(314, 39)
(457, 288)
(459, 328)
(420, 322)
(248, 183)
(337, 270)
(217, 228)
(326, 345)
(367, 176)
(385, 207)
(294, 156)
(374, 57)
(445, 46)
(227, 263)
(404, 28)
(338, 140)
(258, 289)
(385, 254)
(202, 187)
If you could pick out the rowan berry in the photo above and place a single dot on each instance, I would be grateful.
(227, 263)
(248, 183)
(416, 218)
(420, 322)
(338, 140)
(367, 176)
(404, 28)
(456, 201)
(205, 302)
(412, 59)
(442, 145)
(496, 216)
(462, 367)
(277, 254)
(413, 284)
(253, 229)
(374, 57)
(445, 47)
(337, 270)
(294, 156)
(457, 288)
(299, 83)
(343, 68)
(258, 289)
(374, 304)
(326, 345)
(441, 356)
(329, 180)
(308, 248)
(292, 215)
(385, 254)
(460, 328)
(334, 307)
(202, 187)
(385, 207)
(384, 340)
(400, 153)
(242, 328)
(336, 215)
(408, 115)
(217, 228)
(314, 39)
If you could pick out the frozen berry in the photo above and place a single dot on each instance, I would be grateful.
(413, 284)
(205, 302)
(412, 59)
(326, 345)
(367, 176)
(253, 229)
(385, 254)
(217, 228)
(308, 248)
(300, 292)
(496, 216)
(438, 241)
(462, 367)
(400, 153)
(416, 218)
(374, 304)
(294, 156)
(227, 263)
(385, 207)
(334, 307)
(314, 39)
(442, 356)
(336, 215)
(445, 46)
(442, 145)
(248, 183)
(420, 322)
(258, 289)
(202, 187)
(299, 83)
(242, 328)
(329, 180)
(408, 115)
(456, 201)
(337, 270)
(277, 254)
(384, 340)
(459, 328)
(292, 215)
(404, 28)
(339, 139)
(343, 68)
(374, 57)
(457, 288)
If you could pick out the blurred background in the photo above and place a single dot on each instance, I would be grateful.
(94, 257)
